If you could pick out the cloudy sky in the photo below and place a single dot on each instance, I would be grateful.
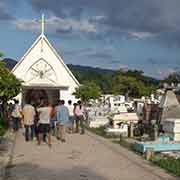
(113, 34)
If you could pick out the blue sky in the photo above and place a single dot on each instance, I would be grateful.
(112, 34)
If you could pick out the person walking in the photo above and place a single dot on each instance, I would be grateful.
(75, 125)
(28, 113)
(16, 116)
(62, 115)
(79, 117)
(71, 116)
(53, 119)
(44, 122)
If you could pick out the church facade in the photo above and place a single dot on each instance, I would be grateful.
(44, 74)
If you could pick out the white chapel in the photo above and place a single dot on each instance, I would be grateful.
(44, 74)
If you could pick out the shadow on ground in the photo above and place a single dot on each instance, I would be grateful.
(3, 145)
(28, 171)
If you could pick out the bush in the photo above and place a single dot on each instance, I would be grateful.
(3, 127)
(170, 164)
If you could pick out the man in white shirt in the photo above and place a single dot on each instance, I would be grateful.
(44, 122)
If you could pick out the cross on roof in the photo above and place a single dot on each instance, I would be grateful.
(42, 21)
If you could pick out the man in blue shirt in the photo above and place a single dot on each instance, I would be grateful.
(62, 115)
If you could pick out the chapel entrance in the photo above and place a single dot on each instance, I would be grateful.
(35, 96)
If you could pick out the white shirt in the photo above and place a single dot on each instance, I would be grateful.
(16, 111)
(44, 115)
(71, 110)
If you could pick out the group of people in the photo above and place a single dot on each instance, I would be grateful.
(47, 119)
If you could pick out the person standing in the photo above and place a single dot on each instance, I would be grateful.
(16, 116)
(36, 120)
(71, 115)
(62, 115)
(28, 113)
(44, 122)
(79, 117)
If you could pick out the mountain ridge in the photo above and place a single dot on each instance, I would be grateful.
(102, 77)
(10, 63)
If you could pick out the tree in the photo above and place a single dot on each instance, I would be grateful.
(1, 54)
(89, 90)
(130, 86)
(10, 86)
(173, 78)
(126, 85)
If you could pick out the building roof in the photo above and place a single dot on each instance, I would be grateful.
(43, 57)
(170, 106)
(168, 100)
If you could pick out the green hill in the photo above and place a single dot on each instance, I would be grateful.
(102, 77)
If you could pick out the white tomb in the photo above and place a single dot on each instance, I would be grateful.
(171, 127)
(119, 123)
(123, 129)
(98, 121)
(125, 118)
(44, 73)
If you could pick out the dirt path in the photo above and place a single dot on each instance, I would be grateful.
(82, 157)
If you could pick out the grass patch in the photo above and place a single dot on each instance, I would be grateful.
(125, 144)
(101, 132)
(168, 163)
(117, 140)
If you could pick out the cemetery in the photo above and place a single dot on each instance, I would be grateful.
(156, 139)
(90, 98)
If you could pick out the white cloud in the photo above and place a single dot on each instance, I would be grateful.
(27, 25)
(57, 24)
(141, 35)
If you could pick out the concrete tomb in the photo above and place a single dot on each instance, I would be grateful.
(171, 127)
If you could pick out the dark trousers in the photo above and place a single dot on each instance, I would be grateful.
(29, 135)
(16, 123)
(80, 120)
(36, 131)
